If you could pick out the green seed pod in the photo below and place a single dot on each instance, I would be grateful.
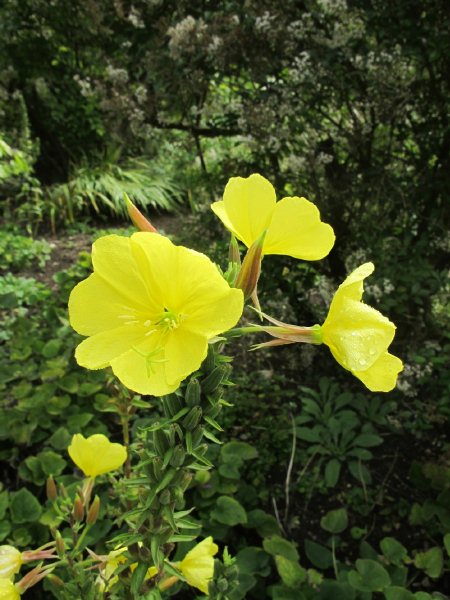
(160, 442)
(157, 469)
(193, 393)
(210, 361)
(197, 436)
(165, 497)
(178, 456)
(185, 480)
(215, 378)
(172, 404)
(192, 419)
(213, 410)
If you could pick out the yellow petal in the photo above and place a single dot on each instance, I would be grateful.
(155, 257)
(296, 230)
(10, 561)
(96, 455)
(357, 334)
(382, 375)
(198, 564)
(248, 204)
(143, 367)
(185, 352)
(113, 261)
(352, 287)
(189, 283)
(8, 590)
(97, 351)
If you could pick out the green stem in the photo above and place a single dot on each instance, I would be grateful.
(239, 331)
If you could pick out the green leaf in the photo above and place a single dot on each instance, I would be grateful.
(447, 543)
(360, 472)
(277, 545)
(4, 502)
(291, 573)
(51, 462)
(252, 560)
(370, 576)
(229, 511)
(431, 562)
(335, 590)
(367, 440)
(137, 578)
(236, 449)
(60, 440)
(335, 521)
(319, 555)
(308, 435)
(5, 529)
(266, 525)
(332, 472)
(398, 593)
(393, 550)
(25, 507)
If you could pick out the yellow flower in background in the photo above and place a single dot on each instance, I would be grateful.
(111, 562)
(198, 564)
(293, 224)
(10, 561)
(96, 455)
(150, 308)
(8, 590)
(359, 335)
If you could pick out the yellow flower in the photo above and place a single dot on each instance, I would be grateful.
(96, 455)
(293, 224)
(150, 308)
(198, 564)
(8, 590)
(109, 566)
(358, 335)
(10, 561)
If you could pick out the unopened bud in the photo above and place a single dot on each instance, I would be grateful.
(78, 509)
(60, 545)
(52, 492)
(55, 580)
(92, 514)
(248, 276)
(137, 218)
(234, 256)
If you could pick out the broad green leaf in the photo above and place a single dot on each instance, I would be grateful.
(431, 562)
(236, 449)
(393, 550)
(335, 521)
(229, 511)
(398, 593)
(24, 507)
(367, 440)
(319, 555)
(370, 576)
(278, 545)
(332, 472)
(252, 560)
(291, 573)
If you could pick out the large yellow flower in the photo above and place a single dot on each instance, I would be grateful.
(358, 335)
(198, 564)
(293, 224)
(96, 455)
(150, 308)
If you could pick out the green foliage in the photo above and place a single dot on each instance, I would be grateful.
(102, 189)
(20, 252)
